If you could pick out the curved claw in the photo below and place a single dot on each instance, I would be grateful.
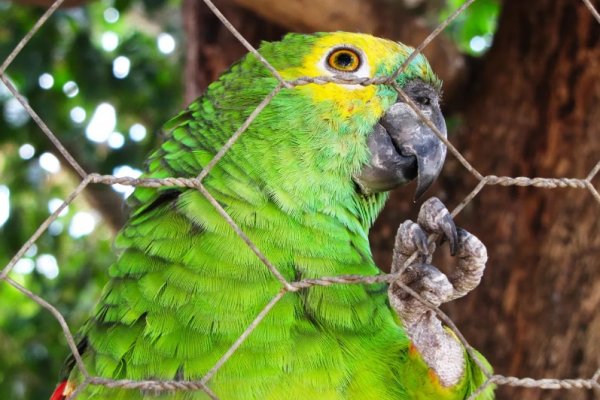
(449, 229)
(435, 218)
(420, 240)
(409, 238)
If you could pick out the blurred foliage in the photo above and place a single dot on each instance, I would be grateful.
(73, 48)
(473, 30)
(70, 48)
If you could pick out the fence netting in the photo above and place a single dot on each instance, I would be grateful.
(287, 286)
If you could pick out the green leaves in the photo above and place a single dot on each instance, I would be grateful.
(473, 30)
(65, 73)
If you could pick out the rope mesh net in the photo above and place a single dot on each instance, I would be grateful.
(87, 178)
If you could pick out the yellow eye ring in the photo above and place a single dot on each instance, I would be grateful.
(344, 59)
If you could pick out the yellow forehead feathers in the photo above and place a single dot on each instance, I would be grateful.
(375, 55)
(379, 54)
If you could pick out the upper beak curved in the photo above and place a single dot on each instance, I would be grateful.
(403, 148)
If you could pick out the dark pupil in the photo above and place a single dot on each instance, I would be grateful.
(344, 60)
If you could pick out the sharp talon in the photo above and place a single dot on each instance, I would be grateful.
(420, 239)
(449, 228)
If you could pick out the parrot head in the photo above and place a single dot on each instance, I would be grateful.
(332, 148)
(380, 138)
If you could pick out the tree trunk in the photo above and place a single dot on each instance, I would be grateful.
(534, 112)
(211, 48)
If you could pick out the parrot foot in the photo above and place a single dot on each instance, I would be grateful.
(438, 347)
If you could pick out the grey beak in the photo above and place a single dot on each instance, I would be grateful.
(403, 148)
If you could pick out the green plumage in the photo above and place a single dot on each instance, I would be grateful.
(186, 286)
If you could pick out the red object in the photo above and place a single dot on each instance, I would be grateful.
(58, 393)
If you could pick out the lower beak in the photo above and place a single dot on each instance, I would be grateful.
(403, 148)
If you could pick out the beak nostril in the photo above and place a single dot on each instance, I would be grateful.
(406, 151)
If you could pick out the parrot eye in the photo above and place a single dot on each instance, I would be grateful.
(344, 59)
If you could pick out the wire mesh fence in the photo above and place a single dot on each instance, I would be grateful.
(287, 286)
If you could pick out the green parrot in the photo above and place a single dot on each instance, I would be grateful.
(305, 182)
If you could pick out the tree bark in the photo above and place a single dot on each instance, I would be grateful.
(534, 112)
(211, 48)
